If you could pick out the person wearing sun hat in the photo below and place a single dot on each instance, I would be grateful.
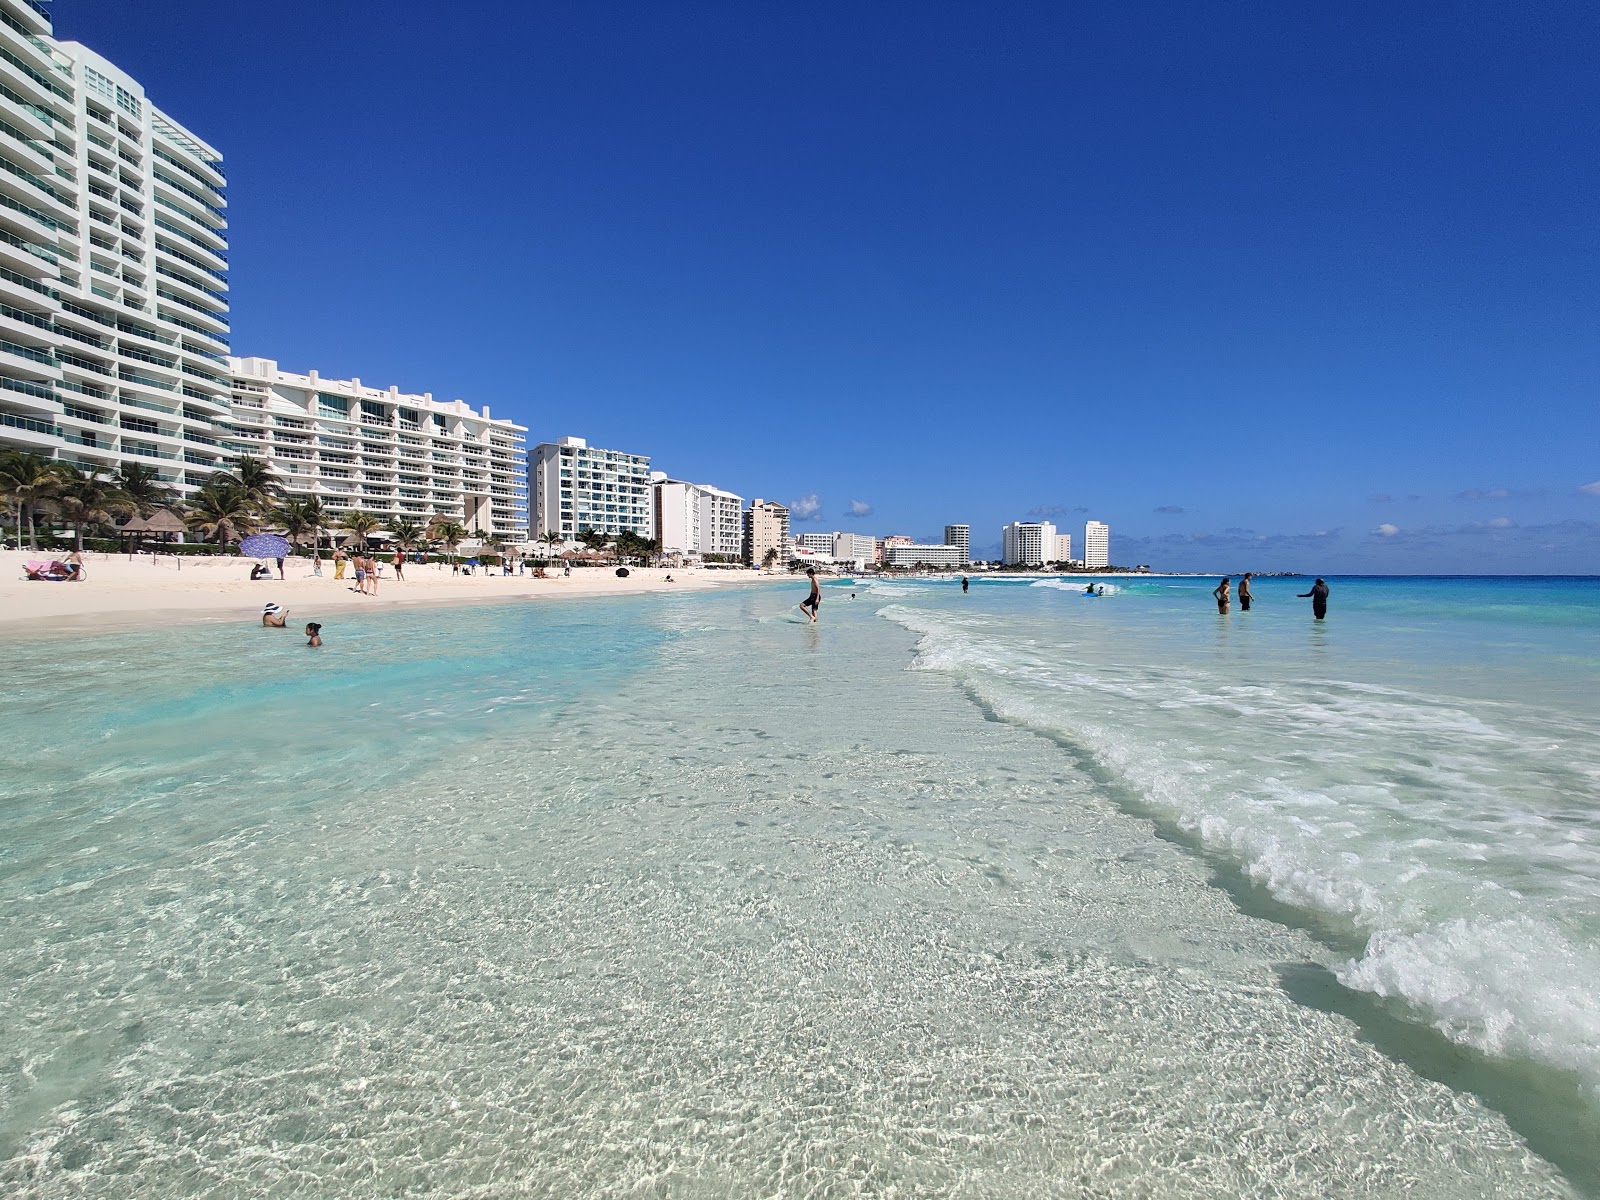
(274, 615)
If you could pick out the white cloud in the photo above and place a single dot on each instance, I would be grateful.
(1591, 489)
(1502, 523)
(805, 507)
(1386, 530)
(858, 508)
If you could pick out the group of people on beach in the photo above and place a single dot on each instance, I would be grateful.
(1318, 595)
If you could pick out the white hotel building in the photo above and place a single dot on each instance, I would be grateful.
(1027, 543)
(1096, 545)
(113, 261)
(924, 555)
(385, 452)
(695, 519)
(577, 486)
(960, 536)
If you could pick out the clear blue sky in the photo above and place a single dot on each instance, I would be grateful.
(1263, 286)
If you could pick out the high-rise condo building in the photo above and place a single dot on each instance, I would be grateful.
(695, 518)
(960, 536)
(721, 522)
(1027, 543)
(1063, 550)
(388, 453)
(821, 543)
(577, 486)
(766, 528)
(113, 265)
(1096, 545)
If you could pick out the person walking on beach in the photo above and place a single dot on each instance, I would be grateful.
(1244, 593)
(812, 602)
(339, 561)
(1319, 599)
(1224, 598)
(372, 576)
(280, 567)
(400, 565)
(358, 563)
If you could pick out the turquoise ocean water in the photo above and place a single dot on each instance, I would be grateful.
(1013, 893)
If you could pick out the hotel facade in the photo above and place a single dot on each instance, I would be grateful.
(766, 527)
(113, 266)
(386, 452)
(1096, 545)
(695, 519)
(577, 486)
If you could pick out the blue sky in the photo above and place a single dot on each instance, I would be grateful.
(1264, 287)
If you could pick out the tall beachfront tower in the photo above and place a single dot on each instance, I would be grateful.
(1027, 543)
(766, 527)
(694, 518)
(1096, 544)
(960, 536)
(577, 486)
(113, 265)
(385, 452)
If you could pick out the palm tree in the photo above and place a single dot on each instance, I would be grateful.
(312, 510)
(255, 480)
(361, 524)
(451, 533)
(89, 498)
(30, 480)
(592, 538)
(294, 518)
(770, 557)
(143, 486)
(551, 539)
(221, 511)
(406, 532)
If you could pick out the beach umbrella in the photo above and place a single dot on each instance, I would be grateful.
(264, 545)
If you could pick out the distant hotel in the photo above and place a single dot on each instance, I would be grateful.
(693, 520)
(1096, 545)
(113, 266)
(766, 528)
(577, 486)
(960, 536)
(924, 555)
(388, 453)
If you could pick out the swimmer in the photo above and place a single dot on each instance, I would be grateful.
(313, 634)
(1319, 599)
(273, 616)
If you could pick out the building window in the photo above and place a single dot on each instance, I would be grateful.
(129, 103)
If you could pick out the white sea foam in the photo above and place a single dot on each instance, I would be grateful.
(1437, 829)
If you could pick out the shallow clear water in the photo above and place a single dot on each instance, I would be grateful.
(1005, 894)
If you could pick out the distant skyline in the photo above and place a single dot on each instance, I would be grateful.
(1262, 287)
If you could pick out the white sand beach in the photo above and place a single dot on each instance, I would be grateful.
(120, 591)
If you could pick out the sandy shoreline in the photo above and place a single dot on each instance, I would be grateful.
(145, 591)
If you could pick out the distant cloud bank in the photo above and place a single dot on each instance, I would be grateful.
(858, 509)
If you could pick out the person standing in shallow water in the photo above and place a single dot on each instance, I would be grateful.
(963, 584)
(1319, 599)
(1223, 594)
(1244, 593)
(812, 602)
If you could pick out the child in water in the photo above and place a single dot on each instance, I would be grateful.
(313, 633)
